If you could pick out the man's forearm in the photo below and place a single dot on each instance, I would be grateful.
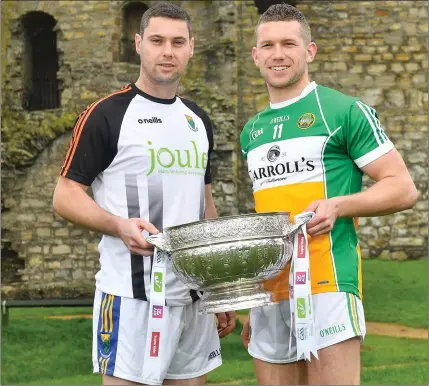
(76, 206)
(210, 208)
(387, 196)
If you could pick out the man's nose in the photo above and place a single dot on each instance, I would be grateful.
(278, 52)
(168, 49)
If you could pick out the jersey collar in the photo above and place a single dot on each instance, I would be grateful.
(309, 88)
(153, 98)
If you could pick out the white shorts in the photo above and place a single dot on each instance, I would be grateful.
(119, 339)
(338, 316)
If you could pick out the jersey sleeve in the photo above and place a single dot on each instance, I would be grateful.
(245, 137)
(89, 152)
(365, 138)
(244, 142)
(209, 128)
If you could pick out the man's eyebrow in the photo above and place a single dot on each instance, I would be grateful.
(164, 37)
(282, 40)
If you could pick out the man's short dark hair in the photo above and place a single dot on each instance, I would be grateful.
(167, 10)
(286, 12)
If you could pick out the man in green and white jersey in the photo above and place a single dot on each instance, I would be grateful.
(307, 151)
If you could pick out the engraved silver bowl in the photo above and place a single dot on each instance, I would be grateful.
(228, 258)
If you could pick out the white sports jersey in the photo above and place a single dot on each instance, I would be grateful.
(144, 157)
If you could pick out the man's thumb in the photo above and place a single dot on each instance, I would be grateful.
(312, 207)
(221, 319)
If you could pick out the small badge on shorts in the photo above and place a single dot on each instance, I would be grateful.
(306, 120)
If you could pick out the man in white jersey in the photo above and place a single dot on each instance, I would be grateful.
(307, 151)
(146, 154)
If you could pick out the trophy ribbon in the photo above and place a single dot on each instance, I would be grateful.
(157, 327)
(300, 298)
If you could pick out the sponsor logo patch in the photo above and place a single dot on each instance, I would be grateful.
(300, 277)
(302, 333)
(154, 344)
(301, 246)
(157, 285)
(300, 306)
(273, 154)
(158, 312)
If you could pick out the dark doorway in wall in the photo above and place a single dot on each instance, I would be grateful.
(131, 17)
(40, 62)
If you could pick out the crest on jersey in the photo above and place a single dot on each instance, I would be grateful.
(191, 123)
(273, 153)
(306, 120)
(106, 344)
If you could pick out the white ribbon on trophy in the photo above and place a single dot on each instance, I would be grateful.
(300, 298)
(157, 327)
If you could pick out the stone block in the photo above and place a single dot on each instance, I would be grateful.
(61, 250)
(43, 232)
(53, 265)
(416, 241)
(62, 232)
(403, 57)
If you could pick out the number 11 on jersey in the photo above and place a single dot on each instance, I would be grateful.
(278, 131)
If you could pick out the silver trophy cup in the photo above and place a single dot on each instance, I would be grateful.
(228, 258)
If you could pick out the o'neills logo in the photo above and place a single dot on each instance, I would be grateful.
(281, 169)
(154, 344)
(151, 120)
(280, 119)
(301, 246)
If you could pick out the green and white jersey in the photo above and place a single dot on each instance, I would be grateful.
(311, 148)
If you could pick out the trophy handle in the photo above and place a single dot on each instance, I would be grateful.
(160, 241)
(301, 219)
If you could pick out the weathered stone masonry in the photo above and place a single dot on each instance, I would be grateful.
(376, 50)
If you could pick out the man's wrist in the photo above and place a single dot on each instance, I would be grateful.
(340, 203)
(116, 224)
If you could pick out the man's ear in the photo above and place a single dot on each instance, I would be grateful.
(255, 56)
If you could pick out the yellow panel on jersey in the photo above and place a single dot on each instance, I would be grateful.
(294, 198)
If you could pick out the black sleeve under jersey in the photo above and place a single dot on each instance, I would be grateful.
(94, 143)
(209, 129)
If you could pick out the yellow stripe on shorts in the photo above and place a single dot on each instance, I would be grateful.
(102, 312)
(355, 315)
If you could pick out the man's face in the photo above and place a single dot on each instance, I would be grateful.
(165, 49)
(281, 53)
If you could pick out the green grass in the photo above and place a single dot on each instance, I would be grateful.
(39, 350)
(396, 292)
(384, 359)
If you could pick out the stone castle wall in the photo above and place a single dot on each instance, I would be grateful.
(375, 50)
